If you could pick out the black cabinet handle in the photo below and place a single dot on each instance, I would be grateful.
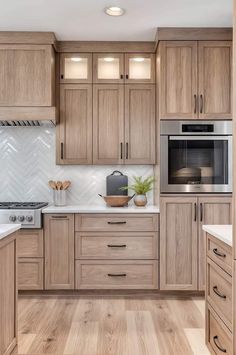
(62, 76)
(215, 339)
(119, 222)
(195, 212)
(116, 246)
(216, 252)
(215, 289)
(116, 275)
(201, 103)
(121, 76)
(127, 151)
(121, 150)
(201, 212)
(195, 103)
(127, 76)
(62, 151)
(59, 217)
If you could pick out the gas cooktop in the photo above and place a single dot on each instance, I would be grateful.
(22, 205)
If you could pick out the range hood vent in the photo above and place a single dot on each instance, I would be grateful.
(27, 123)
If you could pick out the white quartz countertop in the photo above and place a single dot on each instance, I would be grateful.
(7, 229)
(100, 209)
(221, 232)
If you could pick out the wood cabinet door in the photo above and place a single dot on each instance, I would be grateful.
(74, 145)
(140, 68)
(140, 142)
(212, 210)
(76, 68)
(108, 124)
(108, 68)
(26, 75)
(59, 251)
(178, 80)
(178, 243)
(215, 79)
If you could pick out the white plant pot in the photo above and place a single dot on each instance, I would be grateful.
(140, 200)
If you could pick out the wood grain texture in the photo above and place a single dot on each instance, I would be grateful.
(59, 252)
(213, 210)
(30, 243)
(108, 124)
(27, 37)
(30, 273)
(178, 243)
(224, 262)
(178, 80)
(112, 325)
(215, 79)
(75, 124)
(194, 34)
(140, 124)
(27, 113)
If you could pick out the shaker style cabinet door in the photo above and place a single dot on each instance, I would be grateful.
(215, 79)
(212, 210)
(108, 124)
(178, 80)
(75, 129)
(140, 68)
(140, 147)
(178, 243)
(108, 68)
(76, 68)
(26, 75)
(59, 251)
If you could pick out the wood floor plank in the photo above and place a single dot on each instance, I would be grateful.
(196, 339)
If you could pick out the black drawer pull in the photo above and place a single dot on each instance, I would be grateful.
(216, 252)
(116, 275)
(119, 222)
(215, 338)
(59, 217)
(116, 246)
(215, 289)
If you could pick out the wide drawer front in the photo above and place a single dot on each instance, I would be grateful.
(219, 337)
(98, 274)
(30, 274)
(117, 222)
(220, 253)
(219, 291)
(30, 243)
(133, 245)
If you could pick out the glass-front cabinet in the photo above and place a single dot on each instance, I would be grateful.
(140, 68)
(108, 68)
(76, 68)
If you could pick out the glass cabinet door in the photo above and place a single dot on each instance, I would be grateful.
(140, 68)
(108, 68)
(76, 68)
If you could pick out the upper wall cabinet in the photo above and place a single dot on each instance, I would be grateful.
(195, 79)
(27, 75)
(123, 68)
(76, 68)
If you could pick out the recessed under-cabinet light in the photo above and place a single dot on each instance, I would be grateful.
(114, 11)
(76, 59)
(138, 59)
(108, 59)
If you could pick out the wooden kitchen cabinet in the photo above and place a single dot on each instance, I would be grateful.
(59, 251)
(75, 129)
(27, 75)
(108, 124)
(195, 79)
(140, 68)
(212, 210)
(76, 68)
(140, 124)
(178, 243)
(108, 68)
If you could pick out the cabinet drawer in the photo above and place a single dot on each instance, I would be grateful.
(97, 245)
(128, 274)
(30, 274)
(30, 243)
(219, 338)
(220, 253)
(117, 222)
(219, 291)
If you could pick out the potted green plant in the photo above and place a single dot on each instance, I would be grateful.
(140, 187)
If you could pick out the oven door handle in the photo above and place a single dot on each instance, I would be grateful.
(197, 138)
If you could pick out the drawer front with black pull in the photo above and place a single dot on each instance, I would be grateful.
(219, 292)
(132, 245)
(220, 253)
(129, 274)
(117, 222)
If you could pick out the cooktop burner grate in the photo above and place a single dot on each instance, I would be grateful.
(22, 205)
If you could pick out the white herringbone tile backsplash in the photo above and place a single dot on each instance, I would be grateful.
(27, 163)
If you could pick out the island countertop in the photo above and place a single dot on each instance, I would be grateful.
(221, 232)
(100, 209)
(7, 229)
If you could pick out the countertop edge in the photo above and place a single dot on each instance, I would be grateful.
(152, 209)
(9, 229)
(221, 234)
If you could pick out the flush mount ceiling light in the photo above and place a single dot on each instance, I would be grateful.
(114, 11)
(75, 59)
(108, 59)
(138, 59)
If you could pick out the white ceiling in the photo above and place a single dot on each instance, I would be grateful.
(85, 19)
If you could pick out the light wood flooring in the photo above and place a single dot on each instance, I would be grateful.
(88, 325)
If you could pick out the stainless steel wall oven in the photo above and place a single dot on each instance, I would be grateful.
(196, 156)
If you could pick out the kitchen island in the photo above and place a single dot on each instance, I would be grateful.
(8, 289)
